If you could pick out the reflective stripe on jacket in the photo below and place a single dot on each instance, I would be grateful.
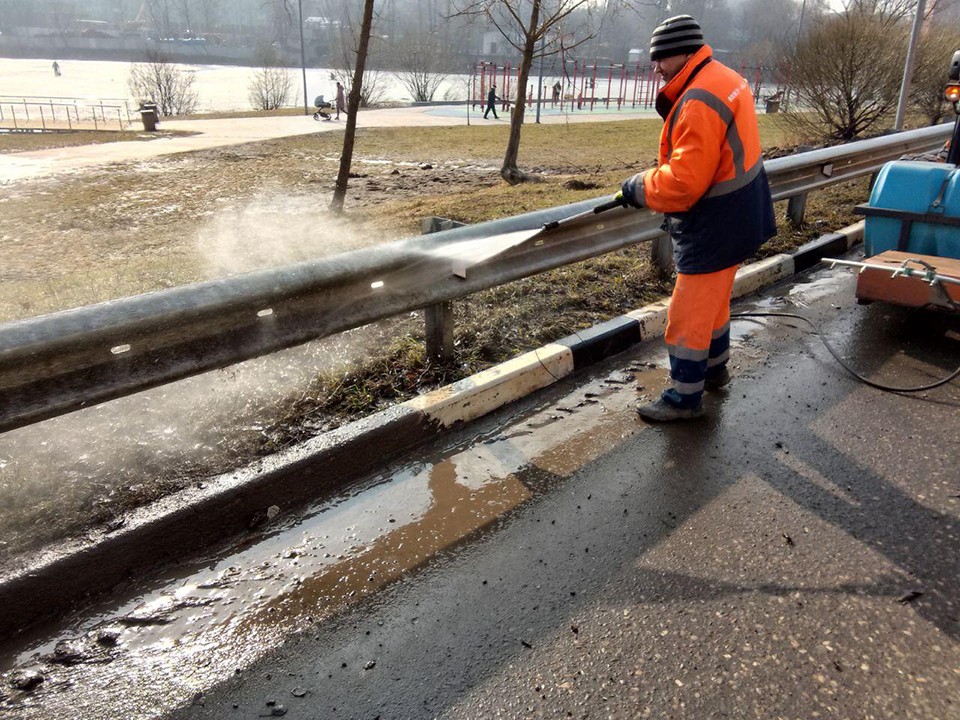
(710, 181)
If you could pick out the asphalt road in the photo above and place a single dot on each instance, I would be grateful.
(796, 554)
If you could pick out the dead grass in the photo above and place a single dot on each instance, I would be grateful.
(583, 148)
(77, 240)
(14, 142)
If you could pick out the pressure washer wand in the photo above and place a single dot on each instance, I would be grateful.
(615, 203)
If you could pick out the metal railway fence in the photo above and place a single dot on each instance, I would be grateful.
(54, 364)
(34, 113)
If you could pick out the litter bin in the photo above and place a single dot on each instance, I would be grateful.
(773, 106)
(148, 114)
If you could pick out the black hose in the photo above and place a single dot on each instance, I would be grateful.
(836, 355)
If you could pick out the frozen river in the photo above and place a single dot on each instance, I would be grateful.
(219, 87)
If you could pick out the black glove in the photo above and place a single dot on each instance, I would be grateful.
(632, 191)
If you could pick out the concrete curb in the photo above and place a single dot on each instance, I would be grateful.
(246, 500)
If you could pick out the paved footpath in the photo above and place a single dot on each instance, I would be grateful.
(237, 131)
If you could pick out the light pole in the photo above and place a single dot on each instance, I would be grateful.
(908, 67)
(543, 47)
(303, 59)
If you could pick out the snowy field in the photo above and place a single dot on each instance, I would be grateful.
(219, 87)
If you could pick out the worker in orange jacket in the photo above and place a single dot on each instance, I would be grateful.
(711, 186)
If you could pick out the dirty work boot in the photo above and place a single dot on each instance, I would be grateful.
(717, 381)
(662, 411)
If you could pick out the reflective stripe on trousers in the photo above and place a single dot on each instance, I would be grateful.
(698, 333)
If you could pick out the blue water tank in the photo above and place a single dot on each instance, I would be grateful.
(918, 187)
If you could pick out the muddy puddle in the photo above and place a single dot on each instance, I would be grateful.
(217, 618)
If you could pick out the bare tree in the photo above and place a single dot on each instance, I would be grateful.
(846, 73)
(767, 28)
(374, 81)
(360, 47)
(160, 81)
(210, 14)
(620, 28)
(884, 9)
(423, 58)
(63, 13)
(185, 13)
(930, 72)
(524, 28)
(161, 13)
(271, 84)
(353, 105)
(344, 54)
(893, 11)
(282, 16)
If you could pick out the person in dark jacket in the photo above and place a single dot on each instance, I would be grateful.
(492, 103)
(711, 186)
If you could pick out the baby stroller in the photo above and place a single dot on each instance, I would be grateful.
(324, 109)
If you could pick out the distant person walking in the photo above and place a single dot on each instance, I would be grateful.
(341, 102)
(492, 103)
(56, 68)
(556, 91)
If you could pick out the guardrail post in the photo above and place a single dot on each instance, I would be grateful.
(439, 330)
(438, 319)
(661, 255)
(797, 205)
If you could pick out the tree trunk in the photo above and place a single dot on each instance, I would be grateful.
(353, 105)
(509, 171)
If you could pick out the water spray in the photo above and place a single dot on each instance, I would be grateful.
(466, 255)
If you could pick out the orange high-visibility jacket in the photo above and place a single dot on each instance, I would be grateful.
(710, 181)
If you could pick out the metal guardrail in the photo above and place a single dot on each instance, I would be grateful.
(34, 113)
(54, 364)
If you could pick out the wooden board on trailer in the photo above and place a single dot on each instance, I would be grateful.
(874, 284)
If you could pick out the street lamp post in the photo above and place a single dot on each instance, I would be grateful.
(303, 59)
(543, 47)
(908, 67)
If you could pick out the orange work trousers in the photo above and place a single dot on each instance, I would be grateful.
(698, 333)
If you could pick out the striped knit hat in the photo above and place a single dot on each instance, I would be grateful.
(676, 36)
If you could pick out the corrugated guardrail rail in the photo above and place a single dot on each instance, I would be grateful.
(58, 363)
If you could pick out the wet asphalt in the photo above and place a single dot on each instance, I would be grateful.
(796, 554)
